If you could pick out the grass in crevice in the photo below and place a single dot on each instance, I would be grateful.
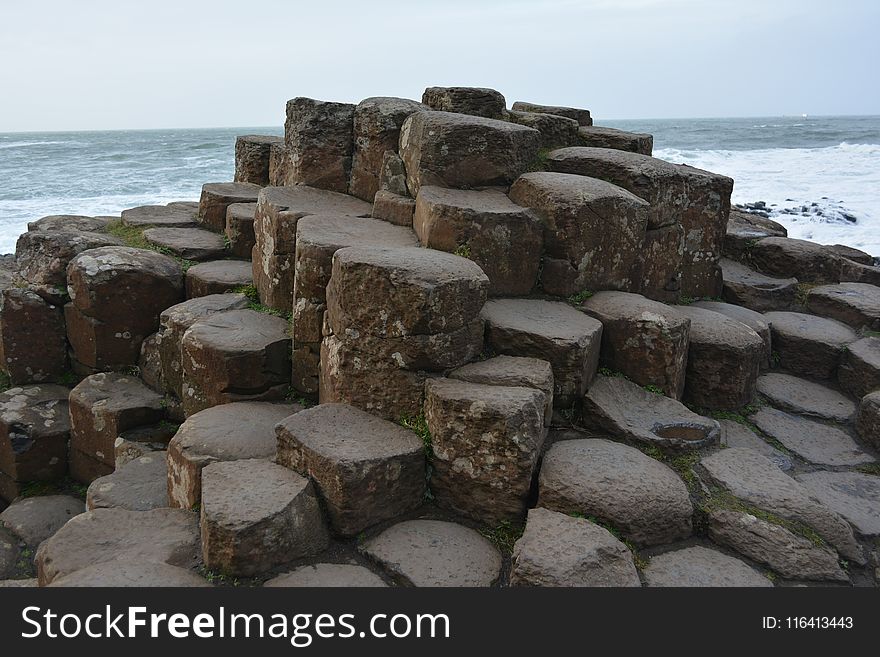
(580, 297)
(419, 425)
(504, 535)
(254, 302)
(133, 236)
(66, 486)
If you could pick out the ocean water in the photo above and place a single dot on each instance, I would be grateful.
(819, 176)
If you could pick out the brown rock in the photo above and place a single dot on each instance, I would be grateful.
(240, 229)
(633, 142)
(746, 287)
(217, 277)
(165, 216)
(217, 197)
(556, 131)
(868, 419)
(187, 243)
(744, 229)
(582, 116)
(252, 154)
(806, 261)
(279, 164)
(808, 345)
(856, 304)
(475, 101)
(72, 222)
(393, 208)
(393, 175)
(859, 371)
(319, 137)
(33, 339)
(754, 320)
(661, 263)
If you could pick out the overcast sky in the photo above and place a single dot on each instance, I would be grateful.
(105, 64)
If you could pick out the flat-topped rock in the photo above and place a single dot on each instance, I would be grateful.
(757, 481)
(168, 536)
(187, 243)
(420, 291)
(252, 158)
(319, 139)
(239, 230)
(166, 216)
(70, 222)
(594, 231)
(234, 356)
(808, 262)
(859, 371)
(457, 150)
(173, 323)
(18, 583)
(104, 405)
(257, 515)
(639, 496)
(855, 304)
(34, 519)
(393, 208)
(486, 441)
(516, 371)
(217, 197)
(735, 434)
(724, 358)
(751, 318)
(856, 272)
(279, 164)
(217, 277)
(645, 340)
(804, 397)
(560, 550)
(34, 432)
(476, 101)
(33, 338)
(500, 236)
(701, 566)
(854, 495)
(435, 553)
(626, 410)
(230, 432)
(851, 253)
(582, 116)
(143, 441)
(328, 575)
(813, 441)
(556, 131)
(123, 573)
(549, 330)
(140, 485)
(789, 554)
(746, 228)
(366, 469)
(744, 286)
(809, 345)
(868, 419)
(377, 123)
(599, 137)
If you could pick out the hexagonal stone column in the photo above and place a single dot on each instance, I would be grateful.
(393, 208)
(319, 137)
(582, 116)
(456, 150)
(240, 229)
(554, 331)
(595, 136)
(235, 355)
(746, 287)
(33, 338)
(327, 574)
(252, 158)
(859, 371)
(139, 485)
(487, 227)
(102, 406)
(556, 131)
(34, 431)
(855, 304)
(724, 359)
(476, 101)
(643, 339)
(366, 469)
(166, 216)
(230, 432)
(34, 519)
(116, 296)
(257, 515)
(218, 277)
(809, 345)
(217, 197)
(187, 243)
(318, 237)
(807, 261)
(868, 419)
(486, 441)
(754, 320)
(594, 231)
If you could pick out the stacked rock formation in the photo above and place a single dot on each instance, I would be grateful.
(439, 343)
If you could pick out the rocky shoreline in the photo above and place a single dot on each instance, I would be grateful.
(439, 343)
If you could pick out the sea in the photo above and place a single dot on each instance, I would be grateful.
(817, 175)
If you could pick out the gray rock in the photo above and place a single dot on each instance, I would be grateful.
(73, 222)
(140, 485)
(327, 575)
(435, 553)
(700, 566)
(746, 287)
(809, 262)
(746, 228)
(166, 216)
(34, 519)
(808, 345)
(868, 419)
(131, 574)
(753, 478)
(257, 515)
(811, 440)
(475, 101)
(790, 555)
(556, 131)
(162, 536)
(366, 469)
(252, 157)
(217, 277)
(859, 371)
(18, 583)
(754, 320)
(559, 550)
(319, 138)
(239, 232)
(187, 243)
(630, 412)
(639, 496)
(734, 434)
(582, 116)
(217, 197)
(517, 371)
(393, 208)
(854, 495)
(599, 137)
(856, 304)
(551, 331)
(804, 397)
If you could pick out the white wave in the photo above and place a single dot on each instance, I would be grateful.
(839, 179)
(23, 144)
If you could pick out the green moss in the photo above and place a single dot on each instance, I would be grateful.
(803, 291)
(5, 382)
(541, 161)
(657, 390)
(870, 468)
(504, 535)
(463, 251)
(580, 297)
(66, 486)
(133, 236)
(217, 578)
(294, 396)
(254, 302)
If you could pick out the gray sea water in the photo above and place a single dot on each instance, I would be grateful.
(820, 176)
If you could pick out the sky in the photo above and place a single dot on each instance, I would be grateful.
(121, 64)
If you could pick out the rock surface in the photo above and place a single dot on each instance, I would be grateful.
(217, 277)
(187, 243)
(751, 318)
(804, 397)
(327, 575)
(859, 371)
(140, 485)
(854, 495)
(746, 287)
(808, 345)
(319, 138)
(123, 573)
(868, 419)
(806, 261)
(856, 304)
(34, 519)
(165, 216)
(700, 566)
(217, 197)
(475, 101)
(734, 434)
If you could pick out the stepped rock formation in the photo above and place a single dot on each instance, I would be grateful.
(540, 357)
